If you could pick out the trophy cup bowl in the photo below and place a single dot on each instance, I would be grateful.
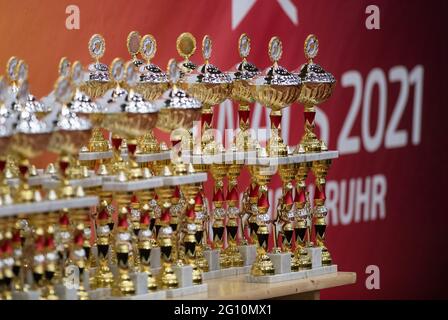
(71, 133)
(178, 110)
(209, 93)
(275, 97)
(32, 135)
(131, 120)
(317, 85)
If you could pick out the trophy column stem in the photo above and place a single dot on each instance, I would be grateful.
(275, 146)
(233, 214)
(320, 170)
(243, 139)
(309, 140)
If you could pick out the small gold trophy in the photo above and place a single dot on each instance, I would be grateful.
(263, 264)
(211, 86)
(317, 87)
(320, 170)
(98, 81)
(95, 86)
(167, 277)
(145, 245)
(241, 93)
(275, 88)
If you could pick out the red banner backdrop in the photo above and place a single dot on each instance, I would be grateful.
(386, 116)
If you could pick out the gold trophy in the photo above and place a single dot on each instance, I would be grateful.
(96, 85)
(317, 87)
(6, 258)
(167, 277)
(98, 81)
(145, 245)
(302, 224)
(153, 82)
(241, 93)
(275, 88)
(211, 86)
(219, 172)
(190, 227)
(103, 277)
(123, 250)
(263, 264)
(320, 170)
(249, 205)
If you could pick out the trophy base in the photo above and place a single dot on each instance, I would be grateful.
(326, 257)
(49, 294)
(281, 262)
(197, 274)
(201, 262)
(104, 278)
(310, 143)
(315, 254)
(229, 272)
(292, 276)
(184, 275)
(224, 260)
(97, 143)
(179, 292)
(155, 257)
(125, 286)
(82, 294)
(65, 293)
(262, 266)
(248, 253)
(168, 279)
(152, 283)
(275, 147)
(300, 261)
(234, 256)
(212, 257)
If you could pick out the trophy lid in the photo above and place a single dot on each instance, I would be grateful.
(176, 98)
(63, 90)
(11, 68)
(186, 47)
(97, 70)
(64, 67)
(6, 116)
(30, 103)
(81, 102)
(312, 72)
(69, 121)
(133, 45)
(71, 131)
(276, 74)
(208, 73)
(28, 123)
(150, 73)
(177, 107)
(244, 70)
(135, 101)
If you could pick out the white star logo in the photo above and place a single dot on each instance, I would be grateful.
(240, 8)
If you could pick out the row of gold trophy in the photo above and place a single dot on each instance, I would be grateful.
(127, 100)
